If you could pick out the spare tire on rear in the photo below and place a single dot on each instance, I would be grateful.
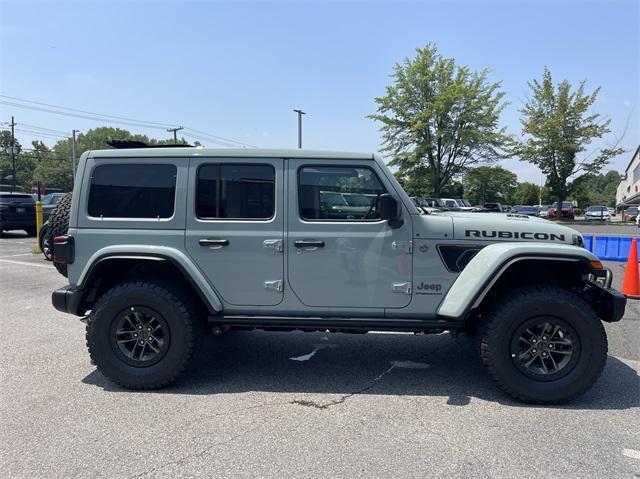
(59, 225)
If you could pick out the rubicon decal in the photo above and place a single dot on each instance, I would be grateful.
(514, 235)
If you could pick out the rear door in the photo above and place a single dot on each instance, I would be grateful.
(235, 227)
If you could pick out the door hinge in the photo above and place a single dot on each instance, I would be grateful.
(276, 244)
(406, 246)
(404, 288)
(276, 285)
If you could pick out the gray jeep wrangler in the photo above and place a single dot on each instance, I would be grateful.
(166, 244)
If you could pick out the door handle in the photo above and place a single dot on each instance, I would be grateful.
(214, 243)
(308, 244)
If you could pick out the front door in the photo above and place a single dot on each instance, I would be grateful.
(235, 227)
(340, 253)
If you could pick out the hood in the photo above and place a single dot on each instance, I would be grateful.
(509, 227)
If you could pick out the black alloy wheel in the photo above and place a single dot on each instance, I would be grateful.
(140, 336)
(545, 348)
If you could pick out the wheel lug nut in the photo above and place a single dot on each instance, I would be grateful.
(139, 326)
(141, 342)
(149, 329)
(534, 340)
(544, 354)
(534, 351)
(551, 346)
(135, 335)
(544, 338)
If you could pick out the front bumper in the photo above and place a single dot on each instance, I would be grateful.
(68, 300)
(608, 303)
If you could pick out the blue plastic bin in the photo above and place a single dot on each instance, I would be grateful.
(612, 248)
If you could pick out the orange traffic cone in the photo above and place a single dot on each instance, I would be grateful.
(631, 282)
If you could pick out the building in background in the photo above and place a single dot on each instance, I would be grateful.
(628, 192)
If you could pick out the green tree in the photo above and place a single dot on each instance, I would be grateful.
(558, 126)
(489, 184)
(440, 117)
(527, 193)
(600, 189)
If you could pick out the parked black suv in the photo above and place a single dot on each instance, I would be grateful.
(17, 212)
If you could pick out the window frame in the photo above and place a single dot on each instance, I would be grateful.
(236, 163)
(131, 218)
(336, 220)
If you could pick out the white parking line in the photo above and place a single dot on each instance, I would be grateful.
(631, 453)
(28, 264)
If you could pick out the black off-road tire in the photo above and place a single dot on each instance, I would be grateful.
(506, 316)
(181, 316)
(59, 225)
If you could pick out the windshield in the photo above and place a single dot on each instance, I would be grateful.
(593, 209)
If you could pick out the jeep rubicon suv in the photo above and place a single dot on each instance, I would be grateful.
(165, 244)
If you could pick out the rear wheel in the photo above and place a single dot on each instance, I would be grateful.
(142, 335)
(543, 345)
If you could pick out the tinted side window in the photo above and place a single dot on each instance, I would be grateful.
(338, 193)
(231, 191)
(133, 191)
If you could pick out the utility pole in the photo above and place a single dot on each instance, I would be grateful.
(175, 133)
(73, 152)
(300, 113)
(13, 156)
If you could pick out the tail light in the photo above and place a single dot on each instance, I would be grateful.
(63, 249)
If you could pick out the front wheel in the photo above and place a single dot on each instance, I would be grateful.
(543, 345)
(142, 335)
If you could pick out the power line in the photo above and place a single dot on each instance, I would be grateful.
(88, 115)
(218, 142)
(37, 133)
(36, 127)
(78, 115)
(159, 125)
(218, 137)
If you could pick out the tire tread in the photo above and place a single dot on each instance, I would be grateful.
(499, 312)
(182, 305)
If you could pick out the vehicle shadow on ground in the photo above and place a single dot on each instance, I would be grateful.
(348, 364)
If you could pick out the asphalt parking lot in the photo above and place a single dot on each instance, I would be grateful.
(260, 404)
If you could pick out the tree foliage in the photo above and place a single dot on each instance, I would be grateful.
(529, 194)
(600, 189)
(489, 184)
(558, 126)
(440, 117)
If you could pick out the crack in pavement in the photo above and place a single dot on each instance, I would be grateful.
(370, 385)
(342, 399)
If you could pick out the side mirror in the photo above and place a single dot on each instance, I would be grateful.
(390, 209)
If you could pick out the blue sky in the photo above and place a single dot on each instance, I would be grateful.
(236, 69)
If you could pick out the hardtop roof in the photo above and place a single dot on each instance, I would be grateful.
(191, 152)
